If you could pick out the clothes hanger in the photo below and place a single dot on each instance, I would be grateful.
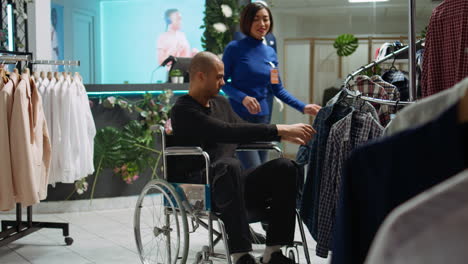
(3, 73)
(393, 65)
(49, 76)
(15, 70)
(26, 70)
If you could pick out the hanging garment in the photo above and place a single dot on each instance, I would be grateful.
(446, 50)
(390, 89)
(398, 79)
(90, 133)
(379, 177)
(7, 197)
(345, 135)
(72, 129)
(65, 155)
(313, 154)
(426, 109)
(368, 87)
(30, 146)
(428, 229)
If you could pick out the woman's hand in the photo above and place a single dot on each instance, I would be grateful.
(252, 105)
(312, 109)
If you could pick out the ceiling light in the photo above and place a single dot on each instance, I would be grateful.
(366, 1)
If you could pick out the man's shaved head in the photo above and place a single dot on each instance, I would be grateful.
(203, 62)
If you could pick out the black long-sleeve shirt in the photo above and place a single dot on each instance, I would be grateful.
(216, 129)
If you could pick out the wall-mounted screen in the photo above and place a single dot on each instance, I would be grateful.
(138, 35)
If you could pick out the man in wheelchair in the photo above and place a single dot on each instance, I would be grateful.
(205, 119)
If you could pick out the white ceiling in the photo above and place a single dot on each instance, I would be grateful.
(331, 8)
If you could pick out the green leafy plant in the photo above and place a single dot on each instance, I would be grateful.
(221, 17)
(107, 151)
(175, 73)
(345, 45)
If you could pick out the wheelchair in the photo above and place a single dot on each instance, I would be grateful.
(163, 208)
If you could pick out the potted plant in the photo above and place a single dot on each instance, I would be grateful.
(176, 76)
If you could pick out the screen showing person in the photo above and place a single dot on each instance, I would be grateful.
(174, 41)
(138, 37)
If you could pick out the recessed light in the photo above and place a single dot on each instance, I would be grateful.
(366, 1)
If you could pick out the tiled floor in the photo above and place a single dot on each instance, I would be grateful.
(104, 236)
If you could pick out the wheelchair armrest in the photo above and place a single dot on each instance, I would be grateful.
(183, 151)
(258, 146)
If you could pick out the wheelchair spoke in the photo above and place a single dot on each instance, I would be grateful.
(159, 225)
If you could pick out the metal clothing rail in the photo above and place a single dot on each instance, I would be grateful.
(12, 59)
(377, 62)
(371, 65)
(16, 229)
(57, 62)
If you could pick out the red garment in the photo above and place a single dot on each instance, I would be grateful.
(445, 60)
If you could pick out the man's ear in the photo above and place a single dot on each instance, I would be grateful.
(201, 76)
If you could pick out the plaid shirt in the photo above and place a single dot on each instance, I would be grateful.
(446, 52)
(345, 135)
(376, 89)
(390, 89)
(314, 154)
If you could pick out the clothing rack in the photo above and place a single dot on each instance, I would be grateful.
(370, 66)
(57, 62)
(14, 230)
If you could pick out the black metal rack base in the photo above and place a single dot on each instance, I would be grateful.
(14, 230)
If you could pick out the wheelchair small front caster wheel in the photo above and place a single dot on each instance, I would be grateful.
(198, 258)
(291, 253)
(68, 241)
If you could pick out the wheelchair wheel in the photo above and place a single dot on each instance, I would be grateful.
(161, 229)
(293, 254)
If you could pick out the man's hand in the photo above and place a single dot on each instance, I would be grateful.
(312, 109)
(252, 105)
(297, 133)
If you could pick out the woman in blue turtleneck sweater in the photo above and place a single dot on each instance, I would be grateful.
(252, 68)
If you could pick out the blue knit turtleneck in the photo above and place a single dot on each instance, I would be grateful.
(247, 64)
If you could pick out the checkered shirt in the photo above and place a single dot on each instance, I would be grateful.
(391, 89)
(314, 154)
(368, 87)
(446, 52)
(345, 135)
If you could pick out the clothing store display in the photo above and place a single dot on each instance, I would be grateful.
(314, 153)
(71, 127)
(247, 63)
(29, 138)
(428, 229)
(446, 50)
(426, 109)
(345, 135)
(7, 196)
(381, 176)
(218, 130)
